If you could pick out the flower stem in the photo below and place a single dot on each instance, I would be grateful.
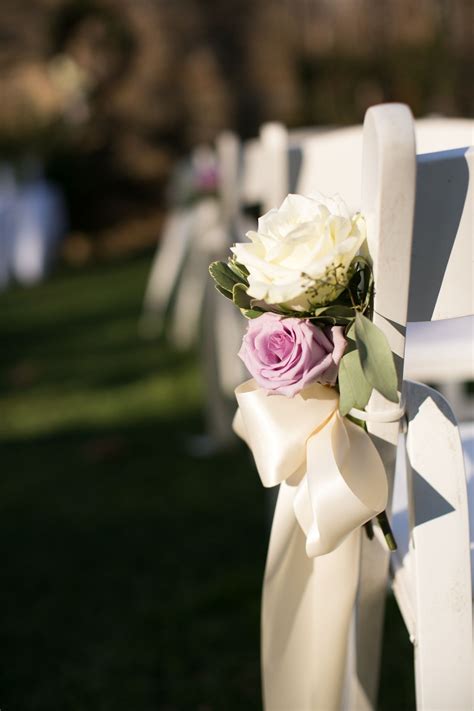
(387, 531)
(369, 529)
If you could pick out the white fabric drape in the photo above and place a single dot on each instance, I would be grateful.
(332, 482)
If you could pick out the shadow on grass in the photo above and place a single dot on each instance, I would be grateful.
(131, 573)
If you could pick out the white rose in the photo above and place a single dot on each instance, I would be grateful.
(300, 255)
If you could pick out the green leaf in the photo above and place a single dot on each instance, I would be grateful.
(376, 358)
(239, 270)
(337, 314)
(224, 292)
(252, 313)
(354, 389)
(336, 311)
(223, 276)
(361, 282)
(240, 296)
(350, 334)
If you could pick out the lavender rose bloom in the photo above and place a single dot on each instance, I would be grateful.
(286, 354)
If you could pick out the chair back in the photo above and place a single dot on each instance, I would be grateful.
(432, 576)
(442, 283)
(397, 194)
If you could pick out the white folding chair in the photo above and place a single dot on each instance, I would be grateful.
(221, 324)
(441, 287)
(183, 226)
(165, 271)
(432, 580)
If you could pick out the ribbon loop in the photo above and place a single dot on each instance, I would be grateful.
(334, 468)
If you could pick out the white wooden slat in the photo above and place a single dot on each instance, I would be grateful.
(251, 188)
(274, 141)
(228, 158)
(388, 194)
(440, 351)
(332, 164)
(168, 261)
(400, 561)
(442, 283)
(440, 553)
(332, 161)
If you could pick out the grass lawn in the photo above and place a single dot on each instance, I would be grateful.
(131, 571)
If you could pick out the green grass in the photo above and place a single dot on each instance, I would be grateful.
(131, 571)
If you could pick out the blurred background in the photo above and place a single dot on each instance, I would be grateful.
(131, 569)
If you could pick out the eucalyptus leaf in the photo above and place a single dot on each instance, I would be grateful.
(376, 358)
(350, 333)
(240, 296)
(354, 389)
(322, 321)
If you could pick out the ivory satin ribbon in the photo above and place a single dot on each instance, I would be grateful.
(332, 482)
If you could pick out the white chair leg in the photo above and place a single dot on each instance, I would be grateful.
(369, 619)
(439, 554)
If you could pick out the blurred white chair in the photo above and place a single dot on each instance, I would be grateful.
(222, 326)
(7, 222)
(180, 291)
(32, 222)
(165, 270)
(40, 225)
(193, 216)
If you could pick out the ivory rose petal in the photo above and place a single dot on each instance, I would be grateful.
(300, 255)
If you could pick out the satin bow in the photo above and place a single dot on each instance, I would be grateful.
(339, 475)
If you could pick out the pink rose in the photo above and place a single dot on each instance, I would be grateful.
(286, 354)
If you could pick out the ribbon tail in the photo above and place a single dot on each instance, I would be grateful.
(306, 615)
(344, 487)
(332, 481)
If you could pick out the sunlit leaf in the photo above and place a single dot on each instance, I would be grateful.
(376, 358)
(353, 387)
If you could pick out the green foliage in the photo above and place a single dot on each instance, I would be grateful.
(240, 296)
(376, 358)
(239, 270)
(252, 313)
(231, 281)
(224, 277)
(334, 315)
(354, 389)
(360, 288)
